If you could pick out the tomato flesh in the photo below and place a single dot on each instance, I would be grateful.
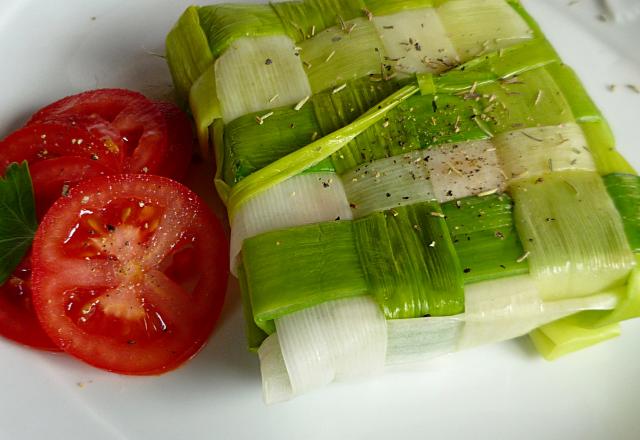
(50, 178)
(181, 140)
(54, 177)
(140, 124)
(38, 142)
(130, 273)
(92, 134)
(18, 320)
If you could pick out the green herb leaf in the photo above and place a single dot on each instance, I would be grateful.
(18, 221)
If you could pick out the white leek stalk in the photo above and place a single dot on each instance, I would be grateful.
(464, 169)
(416, 41)
(388, 183)
(572, 234)
(336, 340)
(256, 74)
(534, 151)
(417, 340)
(349, 338)
(507, 308)
(342, 53)
(479, 26)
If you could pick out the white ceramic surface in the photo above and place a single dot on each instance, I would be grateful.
(50, 49)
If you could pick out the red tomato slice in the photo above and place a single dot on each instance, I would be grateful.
(181, 139)
(130, 273)
(18, 320)
(42, 141)
(53, 177)
(141, 125)
(50, 179)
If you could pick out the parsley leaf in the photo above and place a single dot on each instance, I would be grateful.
(18, 221)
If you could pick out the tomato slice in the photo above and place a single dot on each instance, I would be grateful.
(50, 179)
(141, 125)
(181, 140)
(18, 320)
(47, 140)
(54, 177)
(130, 273)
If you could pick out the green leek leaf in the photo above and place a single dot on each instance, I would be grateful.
(624, 189)
(293, 269)
(225, 23)
(391, 7)
(529, 99)
(255, 335)
(313, 153)
(188, 53)
(484, 237)
(409, 261)
(250, 146)
(304, 19)
(567, 336)
(205, 107)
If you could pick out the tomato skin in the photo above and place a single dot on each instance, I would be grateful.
(181, 141)
(18, 320)
(50, 176)
(141, 125)
(47, 140)
(190, 314)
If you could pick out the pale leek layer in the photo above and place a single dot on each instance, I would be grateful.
(416, 41)
(572, 234)
(417, 340)
(337, 340)
(536, 151)
(350, 337)
(388, 183)
(303, 19)
(504, 309)
(479, 26)
(343, 53)
(249, 76)
(627, 307)
(464, 169)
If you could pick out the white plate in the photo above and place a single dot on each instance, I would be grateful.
(50, 49)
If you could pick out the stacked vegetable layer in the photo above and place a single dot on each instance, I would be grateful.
(406, 179)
